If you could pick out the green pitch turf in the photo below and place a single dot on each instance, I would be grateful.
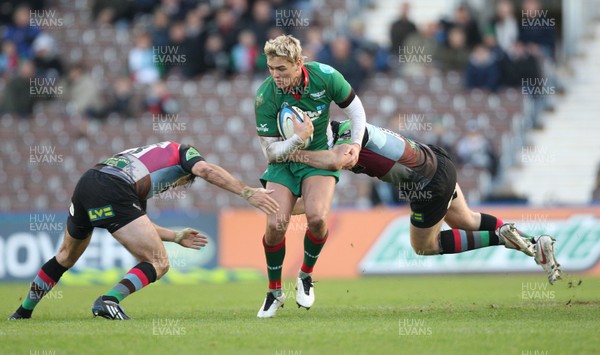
(489, 314)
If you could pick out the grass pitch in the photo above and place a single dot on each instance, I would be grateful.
(484, 314)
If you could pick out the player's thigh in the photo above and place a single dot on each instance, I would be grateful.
(317, 192)
(459, 214)
(425, 240)
(277, 222)
(141, 239)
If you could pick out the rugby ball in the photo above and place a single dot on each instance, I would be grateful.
(285, 123)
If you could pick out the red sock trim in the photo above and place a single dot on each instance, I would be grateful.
(275, 285)
(315, 240)
(42, 274)
(306, 269)
(274, 248)
(499, 223)
(457, 240)
(140, 275)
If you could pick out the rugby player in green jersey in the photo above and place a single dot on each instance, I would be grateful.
(311, 87)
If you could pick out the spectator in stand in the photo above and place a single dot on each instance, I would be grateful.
(142, 7)
(184, 51)
(424, 40)
(536, 28)
(456, 56)
(45, 57)
(83, 95)
(239, 9)
(160, 101)
(313, 43)
(475, 150)
(225, 25)
(142, 65)
(110, 12)
(346, 63)
(21, 33)
(401, 28)
(245, 53)
(521, 69)
(463, 20)
(491, 43)
(195, 37)
(261, 21)
(369, 54)
(176, 9)
(519, 64)
(159, 29)
(483, 70)
(505, 25)
(538, 33)
(275, 32)
(9, 59)
(215, 58)
(120, 98)
(17, 98)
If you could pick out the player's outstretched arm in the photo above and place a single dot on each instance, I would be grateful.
(332, 160)
(358, 120)
(216, 175)
(187, 237)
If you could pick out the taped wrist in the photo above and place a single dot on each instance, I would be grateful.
(248, 192)
(179, 236)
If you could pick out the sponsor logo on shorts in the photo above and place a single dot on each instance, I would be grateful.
(99, 213)
(418, 217)
(263, 127)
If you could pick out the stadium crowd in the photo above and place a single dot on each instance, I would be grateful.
(226, 38)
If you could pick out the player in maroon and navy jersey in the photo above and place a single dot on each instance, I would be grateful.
(426, 177)
(112, 195)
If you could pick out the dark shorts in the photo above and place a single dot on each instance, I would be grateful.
(437, 194)
(104, 201)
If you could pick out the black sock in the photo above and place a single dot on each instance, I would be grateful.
(489, 222)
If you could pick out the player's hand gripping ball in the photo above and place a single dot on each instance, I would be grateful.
(285, 122)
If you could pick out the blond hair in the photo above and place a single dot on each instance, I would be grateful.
(285, 46)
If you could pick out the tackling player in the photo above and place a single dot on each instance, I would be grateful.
(311, 87)
(112, 195)
(427, 178)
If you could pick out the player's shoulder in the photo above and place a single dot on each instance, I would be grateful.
(265, 93)
(324, 75)
(266, 87)
(320, 68)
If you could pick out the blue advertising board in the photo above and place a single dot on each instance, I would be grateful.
(28, 240)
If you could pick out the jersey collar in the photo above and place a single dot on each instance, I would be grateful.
(297, 93)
